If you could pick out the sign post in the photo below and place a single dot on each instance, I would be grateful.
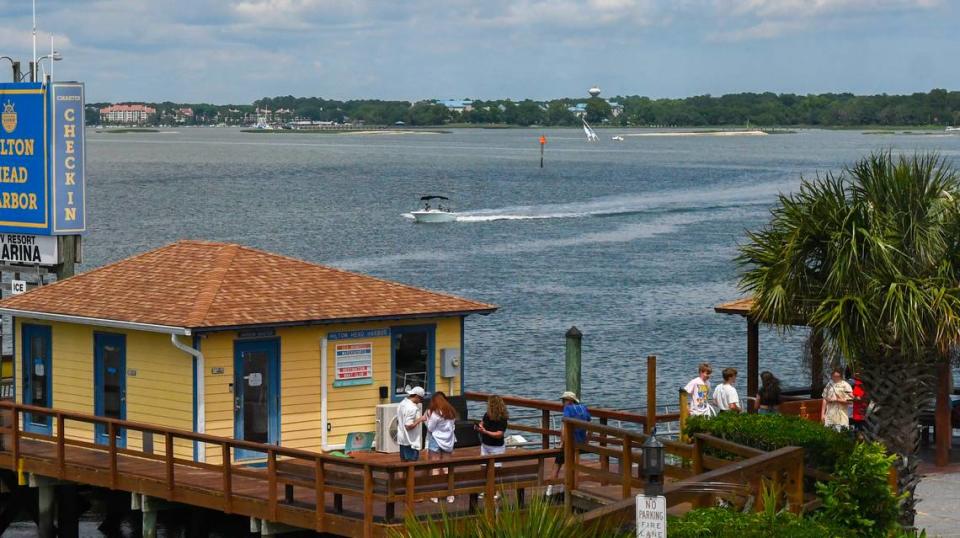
(651, 516)
(543, 144)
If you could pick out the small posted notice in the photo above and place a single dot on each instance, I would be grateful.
(354, 364)
(651, 517)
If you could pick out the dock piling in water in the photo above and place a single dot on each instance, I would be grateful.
(573, 359)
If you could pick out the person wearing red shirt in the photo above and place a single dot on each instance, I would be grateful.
(858, 420)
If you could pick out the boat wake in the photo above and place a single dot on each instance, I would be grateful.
(664, 201)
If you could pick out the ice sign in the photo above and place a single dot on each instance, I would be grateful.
(18, 286)
(651, 517)
(255, 379)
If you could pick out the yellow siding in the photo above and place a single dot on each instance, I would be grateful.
(160, 393)
(349, 408)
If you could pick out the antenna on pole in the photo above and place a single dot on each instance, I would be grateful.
(50, 78)
(33, 59)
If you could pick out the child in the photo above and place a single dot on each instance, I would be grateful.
(699, 388)
(725, 396)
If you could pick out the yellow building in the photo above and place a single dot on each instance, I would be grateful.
(235, 342)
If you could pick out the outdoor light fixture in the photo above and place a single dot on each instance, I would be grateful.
(653, 464)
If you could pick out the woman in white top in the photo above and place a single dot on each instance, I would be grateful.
(441, 423)
(837, 395)
(725, 396)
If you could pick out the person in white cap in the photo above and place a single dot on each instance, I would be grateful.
(572, 408)
(409, 425)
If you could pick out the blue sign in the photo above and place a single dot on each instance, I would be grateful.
(23, 159)
(42, 158)
(67, 162)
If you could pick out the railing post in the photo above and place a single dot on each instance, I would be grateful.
(272, 483)
(112, 443)
(697, 456)
(367, 502)
(684, 412)
(61, 448)
(15, 439)
(490, 490)
(626, 468)
(168, 461)
(796, 489)
(227, 479)
(321, 493)
(570, 472)
(604, 458)
(651, 394)
(410, 487)
(545, 426)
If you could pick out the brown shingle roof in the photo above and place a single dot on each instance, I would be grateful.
(201, 284)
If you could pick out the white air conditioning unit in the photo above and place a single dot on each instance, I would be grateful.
(387, 428)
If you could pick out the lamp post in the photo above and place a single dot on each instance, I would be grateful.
(16, 67)
(653, 464)
(54, 56)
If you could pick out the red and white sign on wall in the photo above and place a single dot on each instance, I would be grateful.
(354, 364)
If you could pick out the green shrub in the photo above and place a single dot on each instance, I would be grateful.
(539, 519)
(722, 522)
(823, 447)
(859, 498)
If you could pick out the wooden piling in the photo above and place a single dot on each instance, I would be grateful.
(651, 394)
(573, 359)
(684, 413)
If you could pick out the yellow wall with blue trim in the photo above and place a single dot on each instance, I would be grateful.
(160, 393)
(349, 409)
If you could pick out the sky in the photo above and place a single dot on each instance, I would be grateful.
(236, 51)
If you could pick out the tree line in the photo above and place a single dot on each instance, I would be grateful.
(937, 107)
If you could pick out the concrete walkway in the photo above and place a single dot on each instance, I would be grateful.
(939, 508)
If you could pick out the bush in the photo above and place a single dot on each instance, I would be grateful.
(539, 519)
(823, 447)
(717, 522)
(859, 500)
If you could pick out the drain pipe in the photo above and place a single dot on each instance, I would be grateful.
(323, 394)
(199, 384)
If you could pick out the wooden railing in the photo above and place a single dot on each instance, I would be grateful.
(697, 474)
(292, 488)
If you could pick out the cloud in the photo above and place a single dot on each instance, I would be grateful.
(239, 50)
(768, 19)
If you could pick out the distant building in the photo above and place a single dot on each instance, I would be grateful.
(183, 115)
(126, 113)
(579, 110)
(456, 105)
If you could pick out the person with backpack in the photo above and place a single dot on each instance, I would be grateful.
(572, 408)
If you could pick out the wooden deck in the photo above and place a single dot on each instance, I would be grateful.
(361, 496)
(370, 493)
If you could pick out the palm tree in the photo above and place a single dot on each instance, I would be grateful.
(871, 259)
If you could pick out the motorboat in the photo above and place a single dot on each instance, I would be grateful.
(617, 138)
(953, 129)
(428, 213)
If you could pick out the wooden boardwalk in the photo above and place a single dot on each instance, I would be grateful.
(361, 496)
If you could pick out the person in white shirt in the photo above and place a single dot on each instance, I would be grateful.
(441, 425)
(725, 396)
(699, 390)
(410, 425)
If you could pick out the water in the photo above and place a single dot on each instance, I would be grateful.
(632, 242)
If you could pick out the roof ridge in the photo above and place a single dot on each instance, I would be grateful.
(363, 275)
(212, 283)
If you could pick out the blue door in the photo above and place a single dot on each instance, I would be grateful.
(256, 394)
(110, 383)
(412, 358)
(37, 376)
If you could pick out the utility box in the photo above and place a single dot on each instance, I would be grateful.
(449, 362)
